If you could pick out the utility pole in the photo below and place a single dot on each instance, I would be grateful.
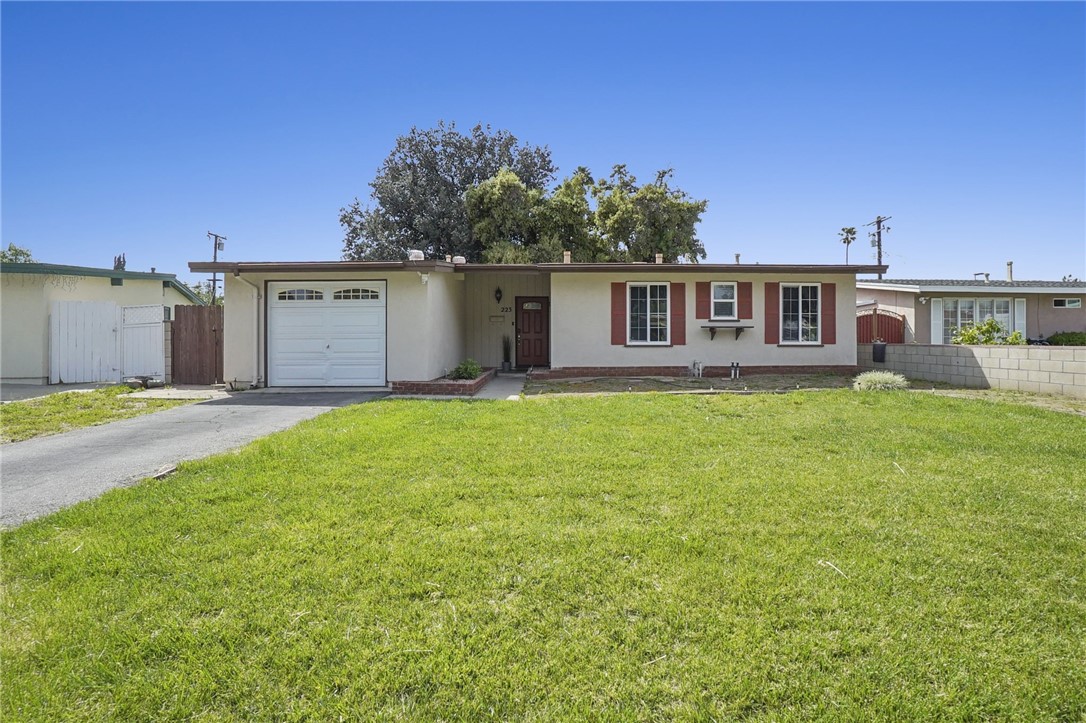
(876, 235)
(218, 246)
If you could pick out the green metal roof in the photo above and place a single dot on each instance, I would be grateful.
(169, 280)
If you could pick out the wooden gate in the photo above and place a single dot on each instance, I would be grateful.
(197, 345)
(886, 325)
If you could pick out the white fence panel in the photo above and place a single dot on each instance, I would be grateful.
(144, 341)
(84, 343)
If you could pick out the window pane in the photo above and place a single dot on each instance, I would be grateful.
(965, 313)
(790, 313)
(799, 313)
(658, 312)
(950, 319)
(985, 310)
(723, 301)
(639, 308)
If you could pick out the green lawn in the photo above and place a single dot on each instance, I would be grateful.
(69, 410)
(834, 555)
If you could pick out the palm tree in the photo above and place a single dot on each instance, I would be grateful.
(848, 235)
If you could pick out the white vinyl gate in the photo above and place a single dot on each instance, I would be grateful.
(98, 341)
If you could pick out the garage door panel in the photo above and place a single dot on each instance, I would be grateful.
(328, 342)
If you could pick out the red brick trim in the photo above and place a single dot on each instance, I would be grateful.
(445, 386)
(678, 371)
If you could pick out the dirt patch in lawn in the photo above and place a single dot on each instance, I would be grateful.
(780, 383)
(752, 383)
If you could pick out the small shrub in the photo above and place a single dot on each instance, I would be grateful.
(1068, 338)
(988, 331)
(879, 382)
(467, 369)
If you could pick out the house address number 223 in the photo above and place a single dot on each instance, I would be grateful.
(507, 309)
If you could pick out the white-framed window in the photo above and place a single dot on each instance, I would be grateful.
(301, 295)
(961, 313)
(647, 314)
(1070, 303)
(800, 313)
(724, 297)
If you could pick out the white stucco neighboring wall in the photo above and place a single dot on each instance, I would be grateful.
(581, 325)
(24, 314)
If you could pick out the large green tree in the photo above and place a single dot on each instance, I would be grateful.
(639, 222)
(419, 192)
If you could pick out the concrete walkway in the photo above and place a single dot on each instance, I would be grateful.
(42, 475)
(503, 386)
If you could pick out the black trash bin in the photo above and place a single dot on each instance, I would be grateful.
(878, 352)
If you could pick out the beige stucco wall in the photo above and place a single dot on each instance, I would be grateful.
(1042, 320)
(899, 302)
(24, 314)
(581, 326)
(424, 323)
(487, 320)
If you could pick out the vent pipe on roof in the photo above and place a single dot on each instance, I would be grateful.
(567, 257)
(737, 259)
(1010, 271)
(659, 258)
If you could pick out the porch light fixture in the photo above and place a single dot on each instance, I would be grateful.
(498, 294)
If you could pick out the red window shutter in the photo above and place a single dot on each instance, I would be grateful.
(828, 306)
(746, 300)
(618, 313)
(701, 300)
(772, 313)
(678, 314)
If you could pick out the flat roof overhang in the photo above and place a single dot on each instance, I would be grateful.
(271, 267)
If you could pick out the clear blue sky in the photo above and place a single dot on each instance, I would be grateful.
(138, 127)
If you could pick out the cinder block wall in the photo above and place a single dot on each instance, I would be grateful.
(1040, 369)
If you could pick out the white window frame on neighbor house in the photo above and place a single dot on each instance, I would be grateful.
(980, 308)
(649, 314)
(1071, 302)
(817, 315)
(734, 301)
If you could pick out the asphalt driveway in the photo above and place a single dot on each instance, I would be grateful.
(46, 474)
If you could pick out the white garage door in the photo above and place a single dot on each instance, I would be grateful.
(326, 334)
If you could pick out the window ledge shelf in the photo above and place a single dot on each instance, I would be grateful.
(714, 328)
(801, 345)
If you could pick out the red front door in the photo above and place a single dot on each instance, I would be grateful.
(533, 331)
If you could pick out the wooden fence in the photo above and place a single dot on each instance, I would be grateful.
(197, 345)
(885, 325)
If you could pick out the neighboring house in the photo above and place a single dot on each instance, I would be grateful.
(76, 324)
(935, 308)
(353, 323)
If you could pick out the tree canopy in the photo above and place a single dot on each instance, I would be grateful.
(485, 196)
(16, 255)
(516, 224)
(419, 191)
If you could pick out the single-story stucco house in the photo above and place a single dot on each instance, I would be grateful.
(353, 323)
(934, 308)
(63, 323)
